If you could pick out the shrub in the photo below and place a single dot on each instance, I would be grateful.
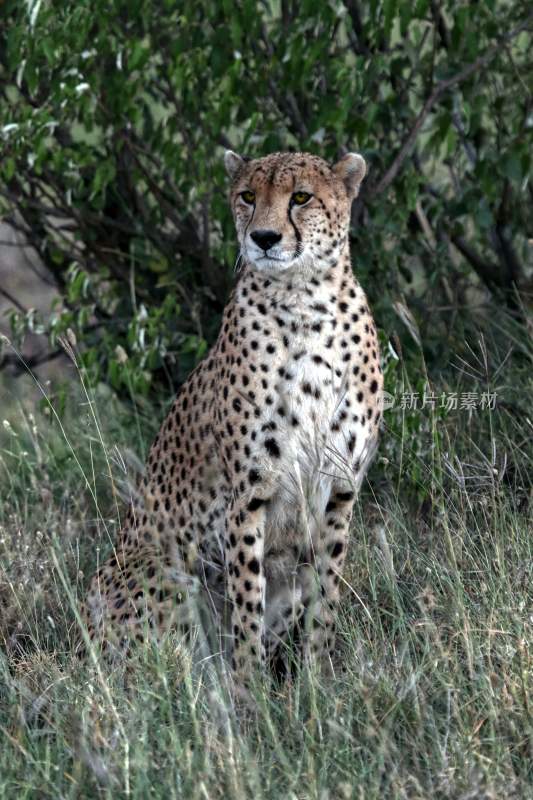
(114, 119)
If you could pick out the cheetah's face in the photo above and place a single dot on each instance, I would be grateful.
(292, 210)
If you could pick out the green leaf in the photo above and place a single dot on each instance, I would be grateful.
(511, 166)
(105, 174)
(483, 215)
(8, 168)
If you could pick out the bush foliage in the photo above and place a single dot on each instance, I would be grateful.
(113, 121)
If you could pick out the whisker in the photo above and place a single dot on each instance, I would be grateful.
(238, 263)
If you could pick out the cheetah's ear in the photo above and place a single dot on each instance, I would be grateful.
(233, 163)
(351, 169)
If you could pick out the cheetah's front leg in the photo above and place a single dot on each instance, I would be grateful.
(322, 583)
(246, 584)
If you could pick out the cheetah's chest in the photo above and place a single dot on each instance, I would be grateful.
(316, 425)
(303, 357)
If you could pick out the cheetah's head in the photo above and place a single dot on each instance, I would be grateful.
(292, 210)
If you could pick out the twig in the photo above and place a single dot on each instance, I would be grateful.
(13, 300)
(34, 361)
(488, 271)
(441, 24)
(360, 44)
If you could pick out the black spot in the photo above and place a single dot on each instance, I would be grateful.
(374, 387)
(255, 503)
(336, 549)
(344, 496)
(254, 566)
(269, 426)
(272, 447)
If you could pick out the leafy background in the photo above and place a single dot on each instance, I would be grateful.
(113, 121)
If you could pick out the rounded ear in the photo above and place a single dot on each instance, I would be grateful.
(351, 169)
(233, 163)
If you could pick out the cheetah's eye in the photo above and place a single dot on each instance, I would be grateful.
(300, 198)
(248, 197)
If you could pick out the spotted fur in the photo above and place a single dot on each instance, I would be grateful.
(246, 501)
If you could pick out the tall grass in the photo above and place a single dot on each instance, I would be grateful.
(432, 692)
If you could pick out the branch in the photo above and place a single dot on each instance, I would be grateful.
(437, 92)
(21, 365)
(225, 142)
(13, 300)
(503, 244)
(440, 22)
(488, 271)
(29, 225)
(361, 46)
(184, 224)
(285, 100)
(507, 255)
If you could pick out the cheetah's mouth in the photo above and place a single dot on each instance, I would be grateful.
(266, 262)
(272, 262)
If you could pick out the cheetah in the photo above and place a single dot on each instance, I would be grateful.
(248, 491)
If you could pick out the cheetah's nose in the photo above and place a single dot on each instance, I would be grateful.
(265, 239)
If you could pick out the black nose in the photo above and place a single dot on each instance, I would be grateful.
(266, 239)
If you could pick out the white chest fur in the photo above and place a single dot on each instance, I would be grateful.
(311, 407)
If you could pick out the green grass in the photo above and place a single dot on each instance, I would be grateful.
(432, 693)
